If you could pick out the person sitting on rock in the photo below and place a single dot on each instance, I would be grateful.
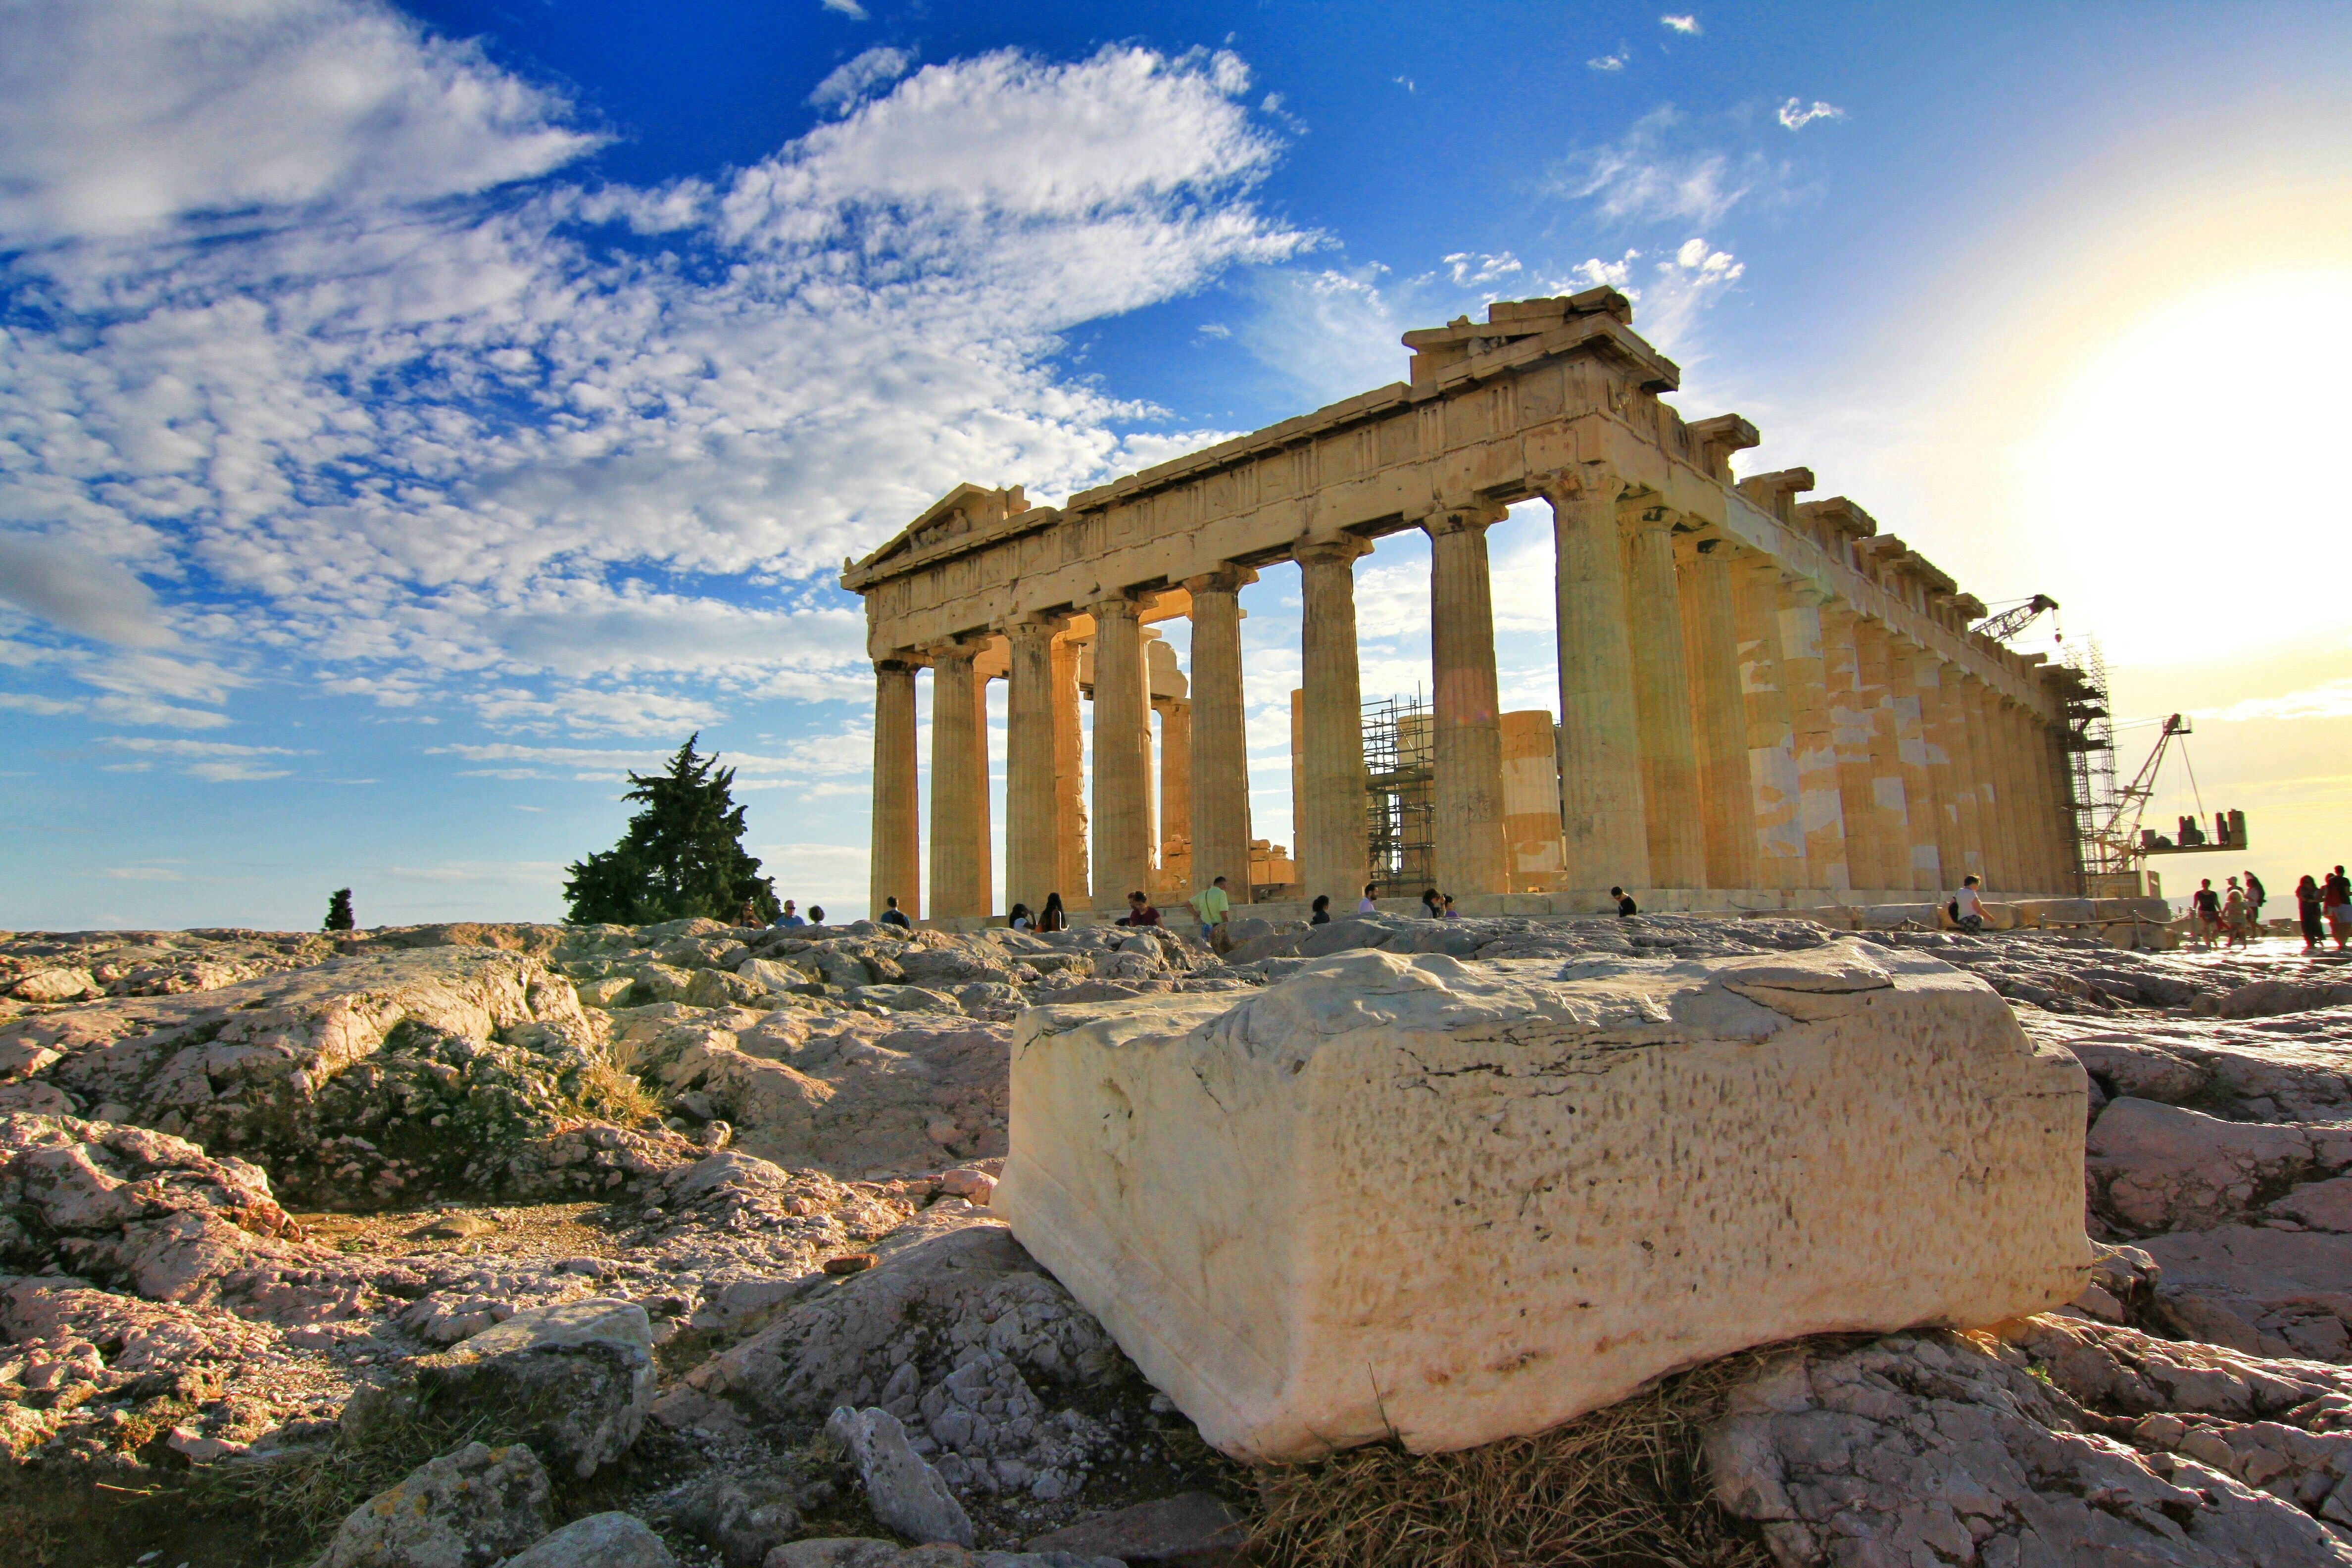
(1432, 905)
(1053, 917)
(1321, 915)
(1019, 919)
(1967, 905)
(893, 915)
(788, 918)
(817, 914)
(1364, 906)
(1625, 909)
(1139, 911)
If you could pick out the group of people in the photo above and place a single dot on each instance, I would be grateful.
(2328, 900)
(2232, 917)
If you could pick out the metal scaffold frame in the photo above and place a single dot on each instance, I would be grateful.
(1399, 795)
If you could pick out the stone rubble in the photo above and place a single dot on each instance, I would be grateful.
(475, 1125)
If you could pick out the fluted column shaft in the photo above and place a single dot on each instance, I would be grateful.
(1332, 782)
(1468, 735)
(1711, 653)
(1220, 784)
(1853, 725)
(896, 867)
(1070, 857)
(2033, 766)
(959, 788)
(1943, 753)
(1913, 700)
(1122, 861)
(1031, 825)
(1661, 694)
(2019, 771)
(1175, 791)
(1778, 833)
(1606, 836)
(2070, 844)
(1994, 803)
(1890, 797)
(1820, 804)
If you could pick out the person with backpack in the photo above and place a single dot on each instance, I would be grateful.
(2336, 897)
(1967, 908)
(894, 916)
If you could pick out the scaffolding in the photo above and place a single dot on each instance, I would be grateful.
(2091, 759)
(1400, 768)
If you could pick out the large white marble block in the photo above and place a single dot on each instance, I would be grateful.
(1456, 1202)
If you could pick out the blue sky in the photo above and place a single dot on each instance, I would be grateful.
(412, 417)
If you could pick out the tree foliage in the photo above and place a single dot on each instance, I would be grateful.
(338, 910)
(682, 855)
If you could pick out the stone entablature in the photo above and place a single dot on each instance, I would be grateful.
(1812, 703)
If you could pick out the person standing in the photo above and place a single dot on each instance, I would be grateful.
(2234, 916)
(894, 916)
(2306, 909)
(2206, 905)
(1211, 906)
(2256, 897)
(2337, 896)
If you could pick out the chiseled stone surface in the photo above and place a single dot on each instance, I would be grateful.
(1403, 1193)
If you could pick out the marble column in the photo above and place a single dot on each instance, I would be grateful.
(1175, 792)
(1928, 677)
(1032, 820)
(1711, 653)
(983, 835)
(2019, 769)
(1820, 804)
(1853, 726)
(1772, 786)
(1606, 836)
(2069, 827)
(1467, 731)
(1332, 854)
(1890, 798)
(1070, 856)
(1994, 802)
(895, 869)
(1662, 696)
(1908, 710)
(1220, 785)
(958, 787)
(1122, 861)
(1968, 856)
(2033, 766)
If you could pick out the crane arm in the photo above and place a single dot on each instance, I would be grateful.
(2015, 619)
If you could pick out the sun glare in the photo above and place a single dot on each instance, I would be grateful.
(2193, 472)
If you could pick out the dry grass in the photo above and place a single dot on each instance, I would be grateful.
(1623, 1485)
(616, 1095)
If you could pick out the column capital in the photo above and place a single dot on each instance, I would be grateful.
(1035, 625)
(1122, 603)
(1479, 515)
(953, 650)
(1227, 578)
(1579, 482)
(1337, 551)
(905, 661)
(1645, 515)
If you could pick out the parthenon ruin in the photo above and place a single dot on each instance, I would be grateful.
(1764, 701)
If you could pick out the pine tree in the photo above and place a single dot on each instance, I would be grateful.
(682, 855)
(338, 910)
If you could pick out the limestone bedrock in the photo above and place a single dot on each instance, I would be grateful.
(1400, 1193)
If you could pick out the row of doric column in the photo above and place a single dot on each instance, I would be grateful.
(1726, 722)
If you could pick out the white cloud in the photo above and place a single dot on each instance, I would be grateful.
(1615, 62)
(854, 77)
(2329, 699)
(849, 8)
(1687, 26)
(115, 709)
(120, 115)
(435, 447)
(214, 762)
(141, 874)
(1658, 171)
(79, 591)
(190, 748)
(1796, 114)
(1468, 269)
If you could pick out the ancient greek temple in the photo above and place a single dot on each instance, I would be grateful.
(1764, 701)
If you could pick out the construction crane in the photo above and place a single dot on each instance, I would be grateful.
(2015, 619)
(2118, 848)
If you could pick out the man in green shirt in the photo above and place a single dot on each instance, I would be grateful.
(1211, 907)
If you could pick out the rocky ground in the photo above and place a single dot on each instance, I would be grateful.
(592, 1231)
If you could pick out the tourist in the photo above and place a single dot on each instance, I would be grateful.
(817, 914)
(1431, 905)
(1211, 907)
(1967, 908)
(2306, 909)
(749, 915)
(1053, 917)
(2336, 895)
(1625, 909)
(891, 916)
(790, 918)
(1447, 912)
(2234, 916)
(1139, 911)
(1364, 906)
(2256, 897)
(1019, 919)
(1322, 911)
(2205, 905)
